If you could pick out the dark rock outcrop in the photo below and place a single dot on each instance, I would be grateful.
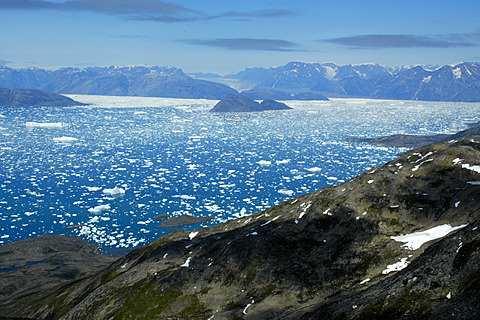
(34, 98)
(239, 103)
(325, 255)
(413, 141)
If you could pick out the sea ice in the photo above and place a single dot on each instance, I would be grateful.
(415, 240)
(314, 169)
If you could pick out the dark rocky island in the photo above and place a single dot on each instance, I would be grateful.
(344, 252)
(239, 103)
(34, 98)
(413, 141)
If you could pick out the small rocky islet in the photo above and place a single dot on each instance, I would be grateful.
(239, 103)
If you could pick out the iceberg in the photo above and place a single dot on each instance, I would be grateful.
(33, 124)
(65, 139)
(99, 209)
(114, 192)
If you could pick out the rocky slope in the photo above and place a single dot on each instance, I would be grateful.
(34, 98)
(325, 255)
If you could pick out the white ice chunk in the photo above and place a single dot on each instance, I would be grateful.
(99, 208)
(248, 306)
(114, 192)
(192, 234)
(286, 192)
(314, 169)
(264, 162)
(402, 264)
(65, 139)
(187, 263)
(93, 188)
(475, 168)
(44, 124)
(415, 240)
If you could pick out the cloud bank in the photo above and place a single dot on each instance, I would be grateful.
(246, 44)
(382, 41)
(142, 10)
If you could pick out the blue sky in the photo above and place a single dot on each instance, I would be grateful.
(223, 36)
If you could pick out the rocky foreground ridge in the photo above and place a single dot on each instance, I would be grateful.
(325, 255)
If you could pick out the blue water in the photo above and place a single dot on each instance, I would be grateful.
(172, 156)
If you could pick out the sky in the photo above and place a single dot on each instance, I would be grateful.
(221, 36)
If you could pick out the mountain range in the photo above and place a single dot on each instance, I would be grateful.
(460, 82)
(400, 241)
(293, 81)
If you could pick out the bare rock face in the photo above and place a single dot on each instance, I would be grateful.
(34, 98)
(331, 254)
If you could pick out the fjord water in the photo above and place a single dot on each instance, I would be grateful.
(173, 156)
